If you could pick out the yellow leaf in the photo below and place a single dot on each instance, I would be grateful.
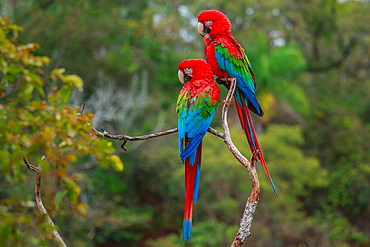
(56, 73)
(70, 130)
(75, 80)
(82, 209)
(72, 186)
(117, 163)
(27, 89)
(15, 27)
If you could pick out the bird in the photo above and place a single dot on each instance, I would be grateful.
(227, 59)
(196, 106)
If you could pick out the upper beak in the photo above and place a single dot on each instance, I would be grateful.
(181, 76)
(201, 29)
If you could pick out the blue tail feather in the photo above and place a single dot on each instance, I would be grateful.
(196, 185)
(273, 187)
(186, 235)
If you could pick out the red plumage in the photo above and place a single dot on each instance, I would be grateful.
(233, 63)
(196, 106)
(190, 178)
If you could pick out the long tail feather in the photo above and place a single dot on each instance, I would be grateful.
(247, 124)
(192, 180)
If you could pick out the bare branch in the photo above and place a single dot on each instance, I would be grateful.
(82, 110)
(104, 133)
(32, 167)
(126, 138)
(215, 132)
(250, 208)
(227, 138)
(244, 231)
(39, 203)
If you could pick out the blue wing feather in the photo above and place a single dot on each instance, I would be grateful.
(193, 122)
(245, 81)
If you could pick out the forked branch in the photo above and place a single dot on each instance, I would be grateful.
(244, 231)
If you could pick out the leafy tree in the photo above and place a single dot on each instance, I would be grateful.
(36, 121)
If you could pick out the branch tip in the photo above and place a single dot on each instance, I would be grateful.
(31, 167)
(55, 234)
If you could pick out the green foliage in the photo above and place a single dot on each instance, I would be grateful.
(123, 225)
(278, 70)
(19, 69)
(35, 121)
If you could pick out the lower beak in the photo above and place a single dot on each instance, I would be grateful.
(181, 76)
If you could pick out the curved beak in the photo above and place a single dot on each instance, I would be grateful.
(181, 76)
(201, 29)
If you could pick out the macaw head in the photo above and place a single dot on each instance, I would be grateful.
(190, 69)
(213, 22)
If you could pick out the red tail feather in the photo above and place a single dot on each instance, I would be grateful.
(247, 124)
(191, 191)
(190, 172)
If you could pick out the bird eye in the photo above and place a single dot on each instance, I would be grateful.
(208, 22)
(187, 69)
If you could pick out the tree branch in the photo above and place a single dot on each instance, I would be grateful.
(39, 203)
(126, 138)
(244, 231)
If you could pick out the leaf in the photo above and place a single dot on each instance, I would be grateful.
(27, 89)
(15, 27)
(40, 90)
(71, 131)
(82, 209)
(75, 80)
(65, 93)
(2, 36)
(73, 189)
(37, 83)
(29, 47)
(117, 163)
(58, 199)
(57, 73)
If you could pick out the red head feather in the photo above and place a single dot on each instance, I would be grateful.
(220, 23)
(201, 68)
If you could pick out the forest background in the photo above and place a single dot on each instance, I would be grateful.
(311, 59)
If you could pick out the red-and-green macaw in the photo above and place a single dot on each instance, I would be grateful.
(228, 60)
(196, 107)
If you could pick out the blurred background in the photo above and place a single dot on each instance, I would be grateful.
(311, 60)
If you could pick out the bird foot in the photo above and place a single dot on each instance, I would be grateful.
(224, 81)
(254, 155)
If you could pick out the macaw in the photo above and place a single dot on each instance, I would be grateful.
(228, 60)
(196, 107)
